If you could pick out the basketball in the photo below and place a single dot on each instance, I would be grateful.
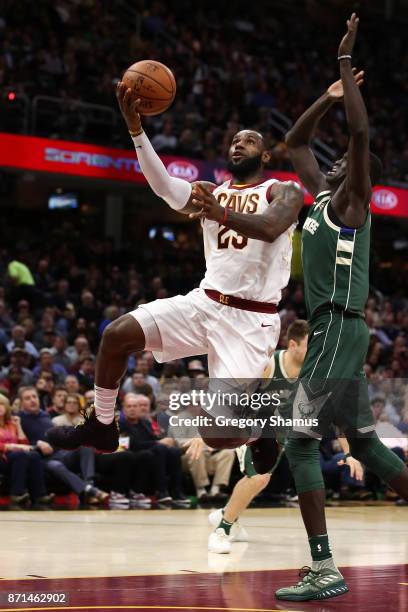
(215, 436)
(153, 83)
(221, 443)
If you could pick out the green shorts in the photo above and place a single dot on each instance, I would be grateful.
(332, 387)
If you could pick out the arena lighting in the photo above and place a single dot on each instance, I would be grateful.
(11, 96)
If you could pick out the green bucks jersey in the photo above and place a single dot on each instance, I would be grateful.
(335, 260)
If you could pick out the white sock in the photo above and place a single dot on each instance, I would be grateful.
(201, 491)
(105, 402)
(214, 490)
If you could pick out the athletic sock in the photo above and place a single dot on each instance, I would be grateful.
(225, 525)
(201, 491)
(105, 402)
(320, 547)
(324, 564)
(215, 489)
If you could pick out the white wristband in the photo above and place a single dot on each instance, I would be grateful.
(342, 57)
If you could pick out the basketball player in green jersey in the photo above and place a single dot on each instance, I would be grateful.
(335, 254)
(280, 375)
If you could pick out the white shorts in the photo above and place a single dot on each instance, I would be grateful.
(239, 343)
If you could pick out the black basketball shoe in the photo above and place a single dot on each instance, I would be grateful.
(104, 438)
(266, 453)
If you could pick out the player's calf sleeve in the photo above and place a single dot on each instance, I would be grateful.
(172, 190)
(376, 456)
(304, 461)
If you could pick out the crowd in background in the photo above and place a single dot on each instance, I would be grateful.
(57, 297)
(232, 66)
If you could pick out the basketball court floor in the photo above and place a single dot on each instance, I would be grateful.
(158, 560)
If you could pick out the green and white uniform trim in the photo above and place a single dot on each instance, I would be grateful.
(332, 385)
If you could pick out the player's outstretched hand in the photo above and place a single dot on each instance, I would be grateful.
(207, 205)
(336, 92)
(129, 107)
(348, 40)
(356, 469)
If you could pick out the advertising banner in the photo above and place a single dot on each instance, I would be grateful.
(95, 162)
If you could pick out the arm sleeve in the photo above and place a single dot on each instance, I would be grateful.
(174, 191)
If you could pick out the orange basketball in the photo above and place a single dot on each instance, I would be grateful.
(153, 83)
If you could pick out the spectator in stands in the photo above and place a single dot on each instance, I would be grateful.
(58, 402)
(11, 381)
(60, 464)
(214, 464)
(20, 462)
(137, 384)
(78, 349)
(6, 322)
(140, 378)
(71, 384)
(165, 142)
(167, 460)
(46, 363)
(89, 398)
(71, 415)
(20, 358)
(18, 340)
(45, 386)
(195, 367)
(22, 281)
(88, 308)
(43, 333)
(60, 353)
(86, 374)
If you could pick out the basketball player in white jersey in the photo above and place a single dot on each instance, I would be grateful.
(232, 317)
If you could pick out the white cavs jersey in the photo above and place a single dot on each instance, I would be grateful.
(240, 266)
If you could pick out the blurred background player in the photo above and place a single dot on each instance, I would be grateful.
(247, 225)
(335, 254)
(283, 370)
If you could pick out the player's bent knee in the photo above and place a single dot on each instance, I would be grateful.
(125, 333)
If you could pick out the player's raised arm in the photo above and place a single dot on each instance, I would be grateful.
(281, 214)
(358, 185)
(298, 141)
(174, 191)
(300, 136)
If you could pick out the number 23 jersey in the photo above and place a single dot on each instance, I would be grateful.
(245, 267)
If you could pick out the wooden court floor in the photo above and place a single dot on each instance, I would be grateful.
(158, 560)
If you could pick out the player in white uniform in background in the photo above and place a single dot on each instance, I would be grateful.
(232, 317)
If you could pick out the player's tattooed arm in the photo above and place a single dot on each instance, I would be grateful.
(287, 200)
(358, 184)
(300, 136)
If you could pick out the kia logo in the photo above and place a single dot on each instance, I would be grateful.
(385, 199)
(183, 170)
